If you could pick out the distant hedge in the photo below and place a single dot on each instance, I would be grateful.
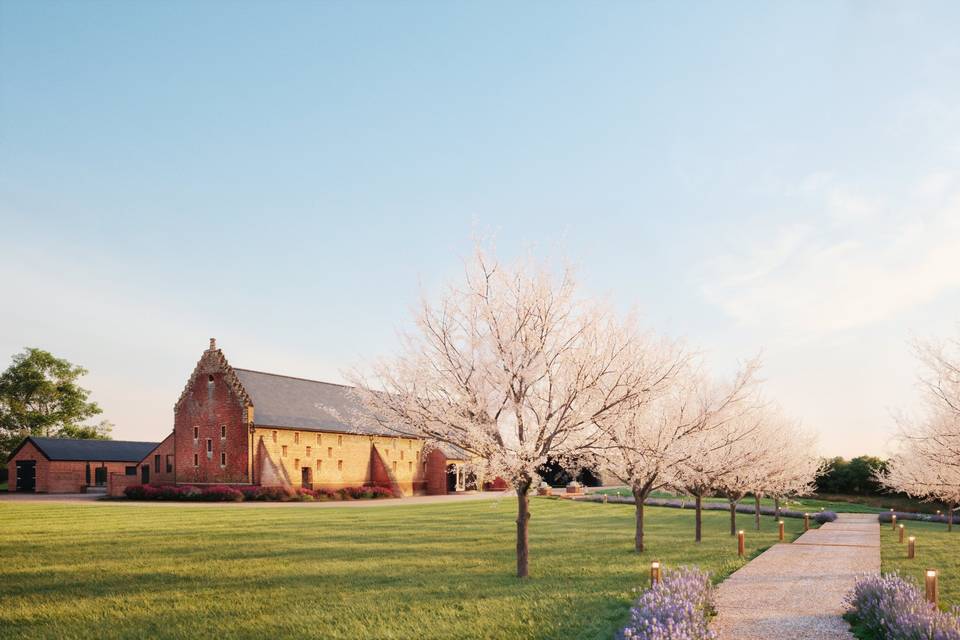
(223, 493)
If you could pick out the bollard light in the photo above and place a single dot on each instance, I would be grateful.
(740, 541)
(806, 522)
(933, 589)
(654, 573)
(893, 522)
(911, 547)
(901, 534)
(780, 529)
(604, 498)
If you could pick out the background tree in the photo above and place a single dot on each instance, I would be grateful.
(511, 367)
(39, 396)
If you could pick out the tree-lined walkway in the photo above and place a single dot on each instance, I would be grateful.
(796, 590)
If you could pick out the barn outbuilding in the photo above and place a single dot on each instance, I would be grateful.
(61, 465)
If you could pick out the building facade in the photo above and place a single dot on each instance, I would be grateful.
(60, 465)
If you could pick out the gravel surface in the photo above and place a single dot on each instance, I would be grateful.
(795, 591)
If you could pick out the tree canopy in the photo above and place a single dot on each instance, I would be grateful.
(40, 396)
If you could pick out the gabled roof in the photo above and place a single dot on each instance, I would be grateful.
(89, 450)
(311, 405)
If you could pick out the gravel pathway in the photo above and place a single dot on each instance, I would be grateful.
(795, 591)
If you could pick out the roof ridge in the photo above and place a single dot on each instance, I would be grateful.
(283, 375)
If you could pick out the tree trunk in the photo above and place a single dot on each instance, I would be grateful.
(699, 519)
(776, 508)
(756, 511)
(523, 539)
(638, 499)
(733, 518)
(950, 517)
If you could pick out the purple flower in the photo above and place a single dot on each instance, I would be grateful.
(678, 608)
(892, 607)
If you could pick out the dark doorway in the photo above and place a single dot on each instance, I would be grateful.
(87, 482)
(451, 478)
(26, 475)
(145, 474)
(100, 476)
(306, 477)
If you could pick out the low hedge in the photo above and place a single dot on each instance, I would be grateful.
(921, 517)
(817, 516)
(224, 493)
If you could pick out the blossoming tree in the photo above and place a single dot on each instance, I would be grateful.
(512, 367)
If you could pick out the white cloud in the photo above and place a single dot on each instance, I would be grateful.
(857, 259)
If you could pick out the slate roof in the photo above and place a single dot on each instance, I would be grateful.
(298, 403)
(283, 401)
(92, 450)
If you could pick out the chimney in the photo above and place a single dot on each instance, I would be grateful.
(213, 344)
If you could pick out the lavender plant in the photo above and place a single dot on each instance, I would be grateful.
(893, 608)
(678, 608)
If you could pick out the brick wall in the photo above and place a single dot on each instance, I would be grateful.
(211, 410)
(162, 463)
(336, 460)
(117, 482)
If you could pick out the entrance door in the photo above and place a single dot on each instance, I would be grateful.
(451, 478)
(100, 476)
(26, 475)
(145, 474)
(306, 477)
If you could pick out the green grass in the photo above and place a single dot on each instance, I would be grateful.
(936, 549)
(838, 503)
(3, 486)
(423, 571)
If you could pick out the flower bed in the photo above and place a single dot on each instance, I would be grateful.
(890, 607)
(677, 608)
(922, 517)
(223, 493)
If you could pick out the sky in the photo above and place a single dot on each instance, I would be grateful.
(290, 177)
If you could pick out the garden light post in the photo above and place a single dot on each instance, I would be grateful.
(654, 573)
(780, 530)
(893, 522)
(933, 589)
(901, 534)
(740, 540)
(806, 522)
(911, 547)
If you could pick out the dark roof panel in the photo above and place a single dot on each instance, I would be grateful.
(93, 450)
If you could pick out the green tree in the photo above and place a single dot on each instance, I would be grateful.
(39, 396)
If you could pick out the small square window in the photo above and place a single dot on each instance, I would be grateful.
(319, 465)
(409, 444)
(223, 458)
(296, 437)
(394, 466)
(130, 471)
(308, 451)
(209, 446)
(339, 441)
(296, 463)
(156, 463)
(196, 433)
(319, 439)
(339, 465)
(329, 452)
(223, 431)
(274, 436)
(169, 463)
(196, 460)
(283, 450)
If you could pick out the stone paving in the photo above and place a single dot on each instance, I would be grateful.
(795, 591)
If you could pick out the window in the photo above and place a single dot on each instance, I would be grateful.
(319, 465)
(329, 452)
(210, 379)
(129, 471)
(196, 433)
(169, 463)
(394, 466)
(319, 439)
(223, 431)
(296, 437)
(223, 458)
(410, 467)
(156, 463)
(196, 460)
(296, 463)
(409, 444)
(274, 436)
(283, 451)
(209, 446)
(401, 455)
(339, 441)
(308, 451)
(339, 465)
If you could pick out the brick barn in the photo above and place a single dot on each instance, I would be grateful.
(59, 465)
(240, 426)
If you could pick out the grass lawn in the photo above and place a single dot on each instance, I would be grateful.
(838, 503)
(3, 486)
(422, 571)
(936, 549)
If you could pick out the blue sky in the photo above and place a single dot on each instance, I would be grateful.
(289, 176)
